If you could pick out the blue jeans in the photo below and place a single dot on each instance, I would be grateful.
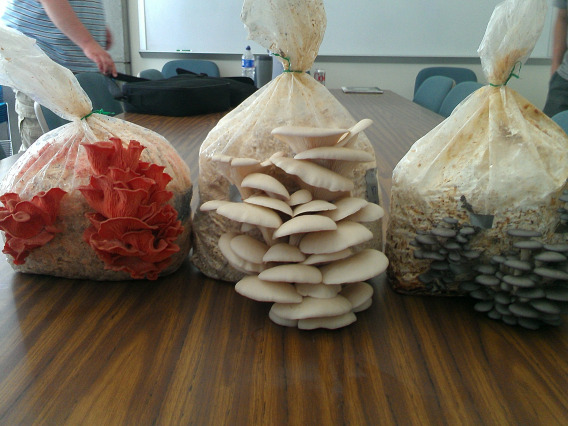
(557, 99)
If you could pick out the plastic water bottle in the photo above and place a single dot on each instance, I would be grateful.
(247, 64)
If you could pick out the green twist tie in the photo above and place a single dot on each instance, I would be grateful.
(98, 111)
(512, 74)
(289, 64)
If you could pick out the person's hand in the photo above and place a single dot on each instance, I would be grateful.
(99, 56)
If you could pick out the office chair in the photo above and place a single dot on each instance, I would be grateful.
(561, 119)
(151, 74)
(5, 144)
(432, 92)
(197, 66)
(458, 93)
(458, 74)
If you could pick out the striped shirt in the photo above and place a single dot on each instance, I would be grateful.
(29, 17)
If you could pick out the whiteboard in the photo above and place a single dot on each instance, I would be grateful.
(399, 28)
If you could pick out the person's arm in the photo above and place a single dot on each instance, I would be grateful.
(559, 39)
(63, 16)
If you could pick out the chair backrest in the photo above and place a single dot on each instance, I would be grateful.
(458, 93)
(561, 119)
(432, 92)
(458, 74)
(197, 66)
(151, 74)
(96, 86)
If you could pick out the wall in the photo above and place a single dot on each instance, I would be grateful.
(391, 73)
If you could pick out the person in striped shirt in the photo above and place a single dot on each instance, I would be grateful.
(71, 32)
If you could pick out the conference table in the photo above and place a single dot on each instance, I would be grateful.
(189, 350)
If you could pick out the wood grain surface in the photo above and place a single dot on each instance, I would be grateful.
(188, 350)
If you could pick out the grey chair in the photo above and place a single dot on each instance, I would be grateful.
(458, 93)
(458, 74)
(561, 119)
(197, 66)
(432, 92)
(151, 74)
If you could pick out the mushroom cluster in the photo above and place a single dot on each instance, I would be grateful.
(526, 286)
(302, 232)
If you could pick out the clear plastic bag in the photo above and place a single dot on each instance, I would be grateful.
(59, 159)
(496, 164)
(293, 30)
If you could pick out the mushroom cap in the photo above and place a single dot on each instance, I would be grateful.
(235, 260)
(271, 203)
(319, 291)
(346, 207)
(313, 206)
(335, 153)
(248, 248)
(330, 323)
(266, 183)
(366, 264)
(267, 291)
(283, 252)
(311, 307)
(370, 213)
(249, 213)
(314, 174)
(303, 138)
(292, 273)
(317, 259)
(281, 321)
(346, 235)
(305, 223)
(212, 205)
(301, 196)
(350, 138)
(365, 305)
(357, 293)
(244, 162)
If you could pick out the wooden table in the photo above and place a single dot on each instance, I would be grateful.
(189, 350)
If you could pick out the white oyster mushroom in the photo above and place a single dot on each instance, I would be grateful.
(335, 153)
(311, 307)
(347, 234)
(283, 252)
(351, 136)
(364, 306)
(303, 138)
(292, 273)
(267, 291)
(314, 174)
(301, 196)
(249, 213)
(281, 321)
(318, 259)
(370, 213)
(234, 259)
(212, 205)
(358, 294)
(313, 207)
(346, 207)
(305, 224)
(320, 291)
(366, 264)
(266, 183)
(271, 203)
(249, 248)
(330, 323)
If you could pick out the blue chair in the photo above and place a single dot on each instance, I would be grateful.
(151, 74)
(198, 66)
(432, 92)
(561, 119)
(459, 92)
(458, 74)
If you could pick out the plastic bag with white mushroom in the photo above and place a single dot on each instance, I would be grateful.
(293, 30)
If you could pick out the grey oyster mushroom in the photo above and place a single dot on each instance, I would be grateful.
(311, 264)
